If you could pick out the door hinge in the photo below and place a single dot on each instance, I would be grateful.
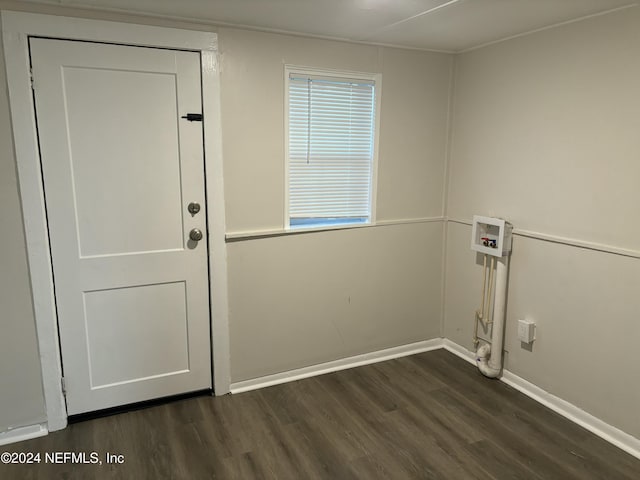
(31, 78)
(64, 386)
(193, 117)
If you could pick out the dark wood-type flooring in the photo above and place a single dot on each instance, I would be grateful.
(426, 416)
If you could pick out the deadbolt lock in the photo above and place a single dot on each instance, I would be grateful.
(195, 235)
(194, 207)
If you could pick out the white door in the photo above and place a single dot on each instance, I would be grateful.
(120, 168)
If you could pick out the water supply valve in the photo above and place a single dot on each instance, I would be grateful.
(491, 236)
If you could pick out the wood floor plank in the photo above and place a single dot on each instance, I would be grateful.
(428, 416)
(550, 441)
(520, 449)
(499, 463)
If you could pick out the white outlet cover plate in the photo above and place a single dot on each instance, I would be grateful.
(526, 331)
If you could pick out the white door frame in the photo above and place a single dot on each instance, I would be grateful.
(17, 27)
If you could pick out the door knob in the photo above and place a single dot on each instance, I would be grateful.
(195, 235)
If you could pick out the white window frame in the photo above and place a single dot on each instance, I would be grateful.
(376, 78)
(17, 27)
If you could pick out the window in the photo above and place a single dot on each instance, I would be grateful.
(331, 132)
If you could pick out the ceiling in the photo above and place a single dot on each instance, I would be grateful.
(444, 25)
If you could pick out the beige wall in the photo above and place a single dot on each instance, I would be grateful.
(546, 135)
(415, 94)
(389, 277)
(553, 116)
(306, 299)
(546, 131)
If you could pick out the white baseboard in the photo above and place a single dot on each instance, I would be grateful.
(611, 434)
(607, 432)
(459, 351)
(600, 428)
(23, 433)
(334, 366)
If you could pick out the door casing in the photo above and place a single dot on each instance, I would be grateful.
(17, 27)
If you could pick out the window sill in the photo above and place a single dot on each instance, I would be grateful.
(293, 231)
(256, 234)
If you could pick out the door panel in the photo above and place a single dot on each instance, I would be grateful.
(98, 163)
(125, 316)
(120, 167)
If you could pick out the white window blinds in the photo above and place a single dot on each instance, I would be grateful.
(331, 142)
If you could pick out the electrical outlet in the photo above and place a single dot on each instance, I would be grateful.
(526, 331)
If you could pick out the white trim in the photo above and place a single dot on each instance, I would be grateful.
(279, 232)
(572, 242)
(336, 365)
(406, 221)
(376, 148)
(607, 432)
(20, 434)
(459, 351)
(376, 78)
(329, 72)
(16, 29)
(286, 222)
(35, 223)
(216, 222)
